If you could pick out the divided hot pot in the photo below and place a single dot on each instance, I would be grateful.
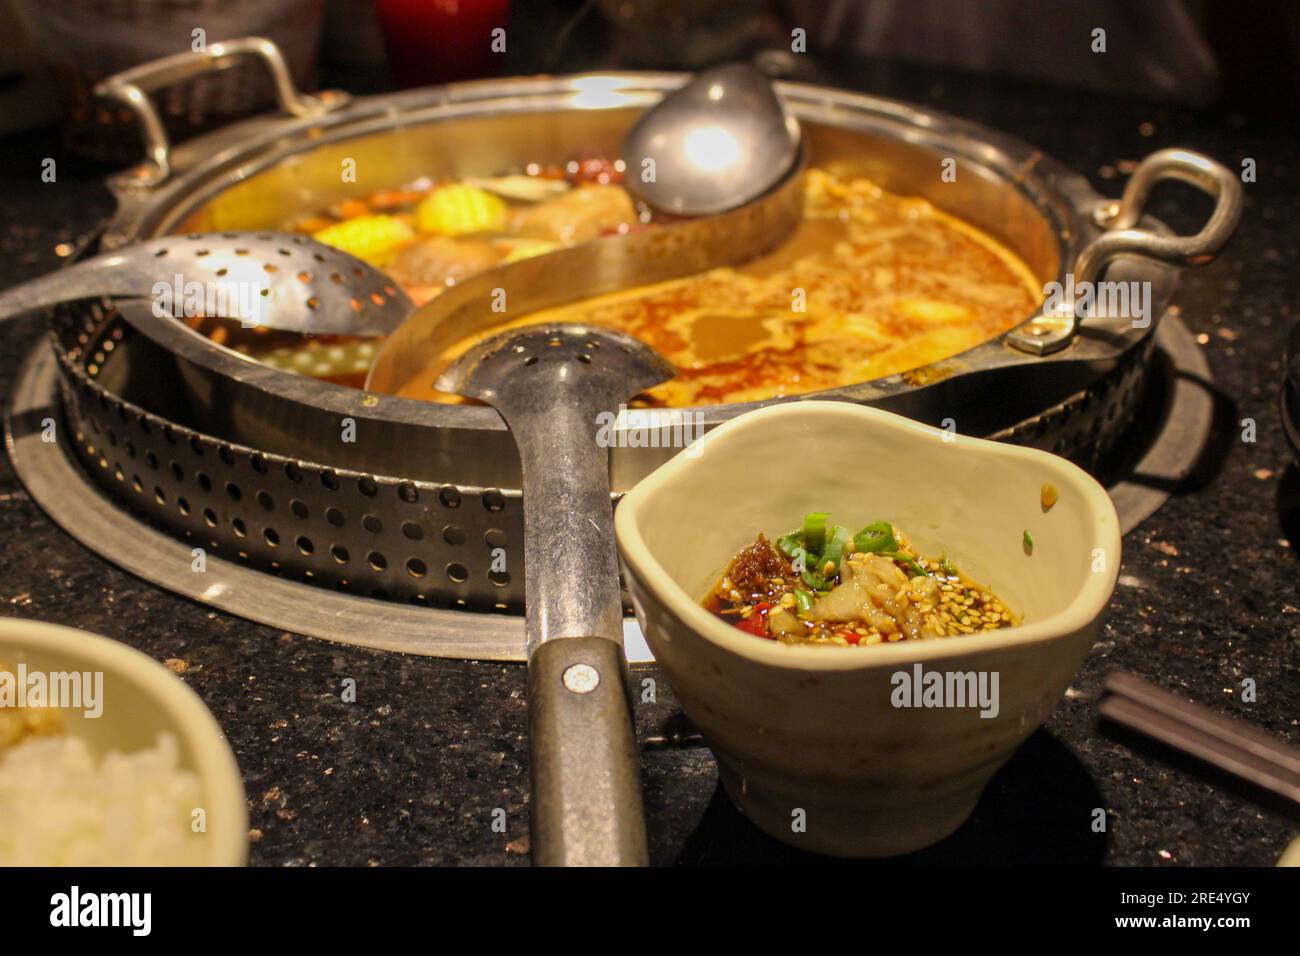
(423, 507)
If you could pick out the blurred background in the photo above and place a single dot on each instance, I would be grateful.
(1227, 56)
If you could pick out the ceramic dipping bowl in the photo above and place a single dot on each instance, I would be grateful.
(809, 740)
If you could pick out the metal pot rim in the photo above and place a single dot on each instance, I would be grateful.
(207, 165)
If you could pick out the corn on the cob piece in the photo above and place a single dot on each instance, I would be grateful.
(459, 209)
(367, 237)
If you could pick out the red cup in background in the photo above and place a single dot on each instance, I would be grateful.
(439, 41)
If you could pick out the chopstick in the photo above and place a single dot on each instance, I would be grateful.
(1230, 745)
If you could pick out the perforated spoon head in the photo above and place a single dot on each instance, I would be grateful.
(289, 283)
(298, 284)
(535, 366)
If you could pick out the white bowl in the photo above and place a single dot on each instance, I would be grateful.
(807, 736)
(141, 699)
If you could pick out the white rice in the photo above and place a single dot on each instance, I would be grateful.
(61, 807)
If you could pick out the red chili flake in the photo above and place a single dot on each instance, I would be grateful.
(756, 623)
(851, 636)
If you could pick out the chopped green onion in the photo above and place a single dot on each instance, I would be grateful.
(816, 581)
(788, 544)
(814, 531)
(1029, 542)
(948, 568)
(875, 538)
(791, 546)
(803, 600)
(834, 549)
(908, 561)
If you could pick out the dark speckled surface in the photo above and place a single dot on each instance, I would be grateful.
(412, 772)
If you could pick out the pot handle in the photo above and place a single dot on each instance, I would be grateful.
(131, 87)
(1049, 332)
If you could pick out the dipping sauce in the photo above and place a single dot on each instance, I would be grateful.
(823, 585)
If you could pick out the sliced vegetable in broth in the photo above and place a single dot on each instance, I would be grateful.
(871, 284)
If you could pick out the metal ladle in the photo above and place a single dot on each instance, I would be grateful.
(289, 283)
(719, 142)
(550, 383)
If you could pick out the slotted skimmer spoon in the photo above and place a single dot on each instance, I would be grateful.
(550, 383)
(289, 283)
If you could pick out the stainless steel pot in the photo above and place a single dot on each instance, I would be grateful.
(225, 435)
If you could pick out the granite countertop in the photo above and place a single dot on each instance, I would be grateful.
(412, 772)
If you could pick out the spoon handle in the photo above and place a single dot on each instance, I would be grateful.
(586, 800)
(88, 279)
(557, 387)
